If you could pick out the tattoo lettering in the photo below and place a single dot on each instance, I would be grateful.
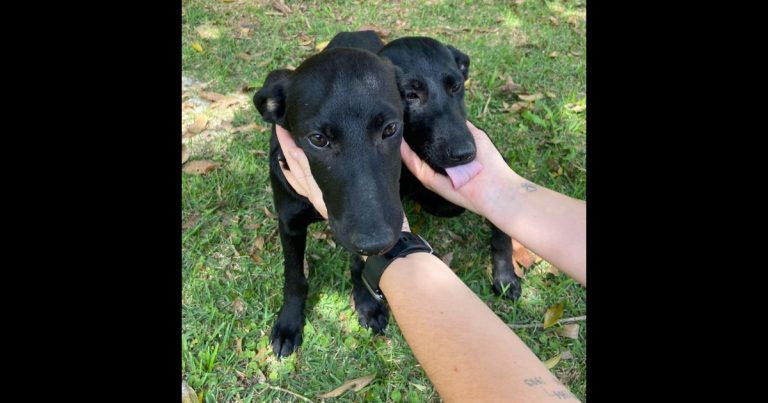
(528, 187)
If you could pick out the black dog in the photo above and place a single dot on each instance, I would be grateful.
(433, 82)
(343, 107)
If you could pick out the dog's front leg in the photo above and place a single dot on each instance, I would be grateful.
(502, 270)
(287, 331)
(371, 313)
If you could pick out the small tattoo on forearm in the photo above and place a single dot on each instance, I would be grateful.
(559, 394)
(528, 187)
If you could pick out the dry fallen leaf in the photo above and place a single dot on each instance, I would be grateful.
(238, 306)
(519, 2)
(207, 31)
(200, 167)
(447, 258)
(190, 222)
(355, 385)
(239, 345)
(212, 96)
(518, 106)
(552, 269)
(256, 258)
(573, 21)
(550, 363)
(553, 314)
(554, 54)
(306, 268)
(304, 39)
(575, 107)
(268, 213)
(554, 20)
(197, 46)
(570, 331)
(331, 242)
(188, 394)
(321, 45)
(259, 242)
(510, 87)
(281, 7)
(184, 154)
(521, 254)
(518, 271)
(531, 97)
(381, 32)
(550, 94)
(198, 125)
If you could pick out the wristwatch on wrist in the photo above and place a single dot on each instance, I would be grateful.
(375, 265)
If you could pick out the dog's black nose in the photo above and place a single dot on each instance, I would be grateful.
(366, 244)
(462, 153)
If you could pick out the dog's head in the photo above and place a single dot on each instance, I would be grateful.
(344, 109)
(433, 84)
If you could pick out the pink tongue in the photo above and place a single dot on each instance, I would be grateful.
(463, 173)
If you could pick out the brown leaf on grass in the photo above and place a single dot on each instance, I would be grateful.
(519, 2)
(190, 222)
(245, 56)
(321, 45)
(304, 39)
(575, 53)
(245, 128)
(207, 31)
(575, 107)
(268, 213)
(262, 355)
(573, 21)
(518, 106)
(259, 242)
(319, 235)
(518, 271)
(331, 242)
(510, 87)
(383, 33)
(550, 363)
(447, 258)
(239, 345)
(550, 94)
(552, 269)
(281, 7)
(245, 33)
(238, 306)
(570, 331)
(198, 125)
(200, 167)
(184, 154)
(197, 46)
(554, 54)
(553, 314)
(256, 258)
(554, 20)
(531, 97)
(306, 268)
(355, 385)
(521, 254)
(188, 394)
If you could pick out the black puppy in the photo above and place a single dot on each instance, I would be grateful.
(433, 83)
(343, 107)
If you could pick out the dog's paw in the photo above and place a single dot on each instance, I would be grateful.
(286, 335)
(371, 313)
(508, 281)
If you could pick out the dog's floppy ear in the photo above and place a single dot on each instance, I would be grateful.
(270, 99)
(462, 60)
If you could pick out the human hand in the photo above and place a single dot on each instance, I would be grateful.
(479, 193)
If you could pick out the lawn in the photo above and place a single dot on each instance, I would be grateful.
(527, 90)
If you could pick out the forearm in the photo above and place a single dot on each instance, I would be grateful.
(468, 353)
(552, 225)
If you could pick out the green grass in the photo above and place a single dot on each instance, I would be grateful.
(218, 269)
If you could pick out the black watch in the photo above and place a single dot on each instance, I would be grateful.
(375, 265)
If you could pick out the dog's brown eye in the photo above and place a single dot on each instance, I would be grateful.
(318, 140)
(390, 130)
